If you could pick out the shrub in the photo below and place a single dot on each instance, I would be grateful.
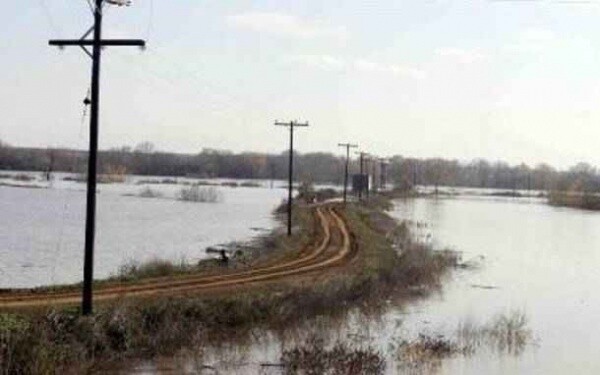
(154, 268)
(148, 192)
(195, 193)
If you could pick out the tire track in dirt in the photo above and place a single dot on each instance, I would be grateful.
(326, 252)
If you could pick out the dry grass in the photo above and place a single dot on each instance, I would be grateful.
(133, 270)
(314, 358)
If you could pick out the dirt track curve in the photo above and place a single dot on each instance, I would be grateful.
(330, 248)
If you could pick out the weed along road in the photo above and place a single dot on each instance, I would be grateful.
(330, 247)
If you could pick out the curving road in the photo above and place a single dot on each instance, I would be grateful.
(331, 247)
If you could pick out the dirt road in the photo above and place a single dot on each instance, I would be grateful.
(330, 248)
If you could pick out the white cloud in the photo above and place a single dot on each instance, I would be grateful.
(325, 62)
(460, 55)
(285, 25)
(369, 66)
(332, 63)
(537, 35)
(533, 40)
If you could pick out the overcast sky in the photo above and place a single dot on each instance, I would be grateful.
(511, 80)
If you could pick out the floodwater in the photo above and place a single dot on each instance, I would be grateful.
(529, 259)
(539, 260)
(42, 229)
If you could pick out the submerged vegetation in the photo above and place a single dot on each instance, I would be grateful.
(505, 334)
(341, 359)
(148, 192)
(196, 193)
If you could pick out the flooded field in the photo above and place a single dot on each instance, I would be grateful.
(530, 258)
(521, 305)
(42, 228)
(523, 301)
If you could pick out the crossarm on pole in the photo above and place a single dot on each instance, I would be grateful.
(103, 43)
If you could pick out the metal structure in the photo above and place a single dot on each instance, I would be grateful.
(348, 146)
(291, 125)
(97, 43)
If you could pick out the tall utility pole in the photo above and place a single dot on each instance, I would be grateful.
(348, 146)
(90, 219)
(291, 125)
(362, 157)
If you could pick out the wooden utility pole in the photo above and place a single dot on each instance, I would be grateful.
(348, 146)
(362, 158)
(291, 125)
(90, 219)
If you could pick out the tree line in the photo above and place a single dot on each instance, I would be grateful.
(320, 167)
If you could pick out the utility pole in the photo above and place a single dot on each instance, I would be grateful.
(348, 146)
(291, 125)
(383, 163)
(90, 220)
(362, 158)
